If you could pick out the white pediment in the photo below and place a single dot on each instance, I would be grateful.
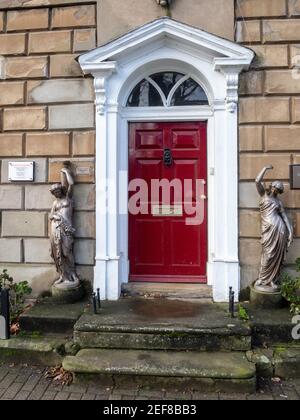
(165, 30)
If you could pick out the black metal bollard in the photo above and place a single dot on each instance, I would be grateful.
(94, 301)
(231, 302)
(4, 317)
(98, 298)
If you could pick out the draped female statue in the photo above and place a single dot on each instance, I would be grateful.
(62, 231)
(277, 233)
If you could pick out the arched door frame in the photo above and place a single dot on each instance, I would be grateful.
(215, 64)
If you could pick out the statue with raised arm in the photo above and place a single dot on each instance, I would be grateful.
(62, 231)
(277, 233)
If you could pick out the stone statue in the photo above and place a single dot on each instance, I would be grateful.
(277, 233)
(62, 231)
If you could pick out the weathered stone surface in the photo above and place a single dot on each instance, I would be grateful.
(282, 138)
(248, 31)
(64, 65)
(10, 250)
(270, 56)
(1, 21)
(276, 30)
(47, 317)
(281, 82)
(180, 364)
(249, 273)
(37, 251)
(67, 296)
(50, 42)
(296, 110)
(84, 40)
(11, 197)
(38, 197)
(84, 197)
(84, 143)
(11, 93)
(84, 223)
(86, 273)
(297, 224)
(84, 251)
(11, 145)
(52, 91)
(293, 253)
(250, 252)
(256, 110)
(250, 225)
(48, 144)
(287, 362)
(40, 277)
(26, 67)
(248, 196)
(251, 138)
(261, 8)
(27, 19)
(23, 223)
(64, 17)
(71, 116)
(40, 169)
(12, 44)
(32, 118)
(294, 7)
(263, 359)
(251, 164)
(252, 83)
(265, 300)
(116, 18)
(83, 168)
(38, 351)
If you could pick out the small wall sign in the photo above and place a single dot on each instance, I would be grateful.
(295, 177)
(21, 171)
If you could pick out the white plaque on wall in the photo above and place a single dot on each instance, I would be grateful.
(21, 171)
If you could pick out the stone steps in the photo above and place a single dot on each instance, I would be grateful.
(33, 350)
(48, 317)
(164, 338)
(222, 372)
(168, 291)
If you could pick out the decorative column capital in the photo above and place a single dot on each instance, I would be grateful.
(101, 73)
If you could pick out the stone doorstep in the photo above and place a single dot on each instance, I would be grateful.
(217, 371)
(170, 291)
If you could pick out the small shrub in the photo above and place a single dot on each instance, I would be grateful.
(18, 292)
(290, 289)
(242, 313)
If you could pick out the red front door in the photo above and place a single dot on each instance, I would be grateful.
(163, 247)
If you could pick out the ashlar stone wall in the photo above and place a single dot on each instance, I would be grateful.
(47, 116)
(269, 116)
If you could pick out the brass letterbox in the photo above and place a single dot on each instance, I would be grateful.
(295, 177)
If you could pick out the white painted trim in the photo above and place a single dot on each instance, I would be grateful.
(215, 63)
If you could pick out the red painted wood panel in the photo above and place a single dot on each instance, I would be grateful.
(165, 248)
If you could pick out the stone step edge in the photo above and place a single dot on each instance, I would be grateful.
(95, 361)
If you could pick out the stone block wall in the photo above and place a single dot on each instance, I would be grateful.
(269, 116)
(47, 116)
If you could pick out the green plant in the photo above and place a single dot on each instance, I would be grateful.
(242, 313)
(18, 292)
(290, 289)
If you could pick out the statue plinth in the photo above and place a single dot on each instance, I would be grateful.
(265, 298)
(71, 294)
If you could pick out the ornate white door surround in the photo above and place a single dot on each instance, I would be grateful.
(215, 63)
